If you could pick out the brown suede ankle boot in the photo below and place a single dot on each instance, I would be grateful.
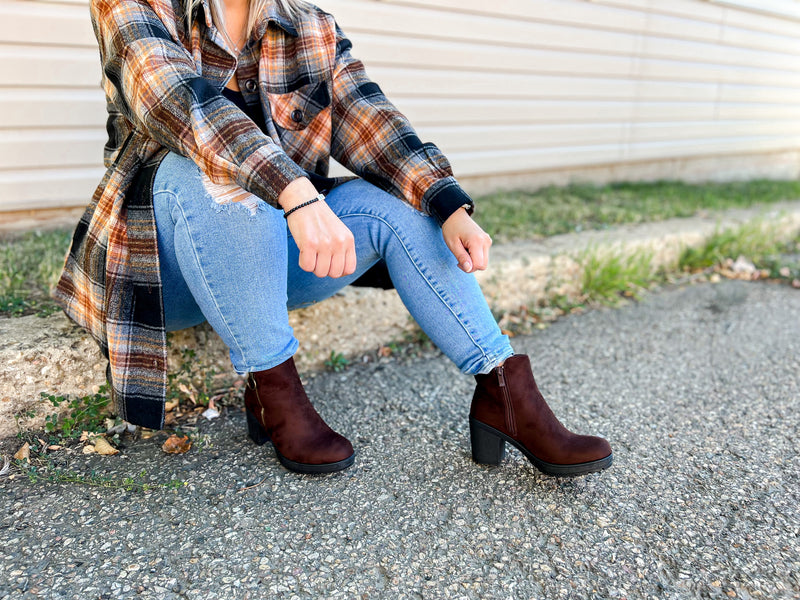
(278, 410)
(508, 407)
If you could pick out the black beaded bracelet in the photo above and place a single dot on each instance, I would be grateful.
(317, 198)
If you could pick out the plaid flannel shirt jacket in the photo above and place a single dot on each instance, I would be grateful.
(162, 75)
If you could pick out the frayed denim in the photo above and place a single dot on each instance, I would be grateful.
(236, 266)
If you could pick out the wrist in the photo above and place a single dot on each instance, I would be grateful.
(317, 198)
(298, 191)
(461, 213)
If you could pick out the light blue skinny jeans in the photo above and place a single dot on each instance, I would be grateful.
(238, 269)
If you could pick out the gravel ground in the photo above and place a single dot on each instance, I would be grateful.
(696, 388)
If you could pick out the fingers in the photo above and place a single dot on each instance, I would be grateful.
(478, 248)
(462, 255)
(329, 258)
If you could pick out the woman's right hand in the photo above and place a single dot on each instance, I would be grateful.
(326, 244)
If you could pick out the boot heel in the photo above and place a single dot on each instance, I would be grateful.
(255, 431)
(488, 448)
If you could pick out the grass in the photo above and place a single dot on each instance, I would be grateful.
(29, 267)
(754, 241)
(554, 210)
(30, 264)
(610, 276)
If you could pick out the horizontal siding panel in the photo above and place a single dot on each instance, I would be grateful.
(384, 50)
(779, 8)
(378, 17)
(488, 85)
(25, 108)
(593, 15)
(368, 17)
(704, 10)
(47, 148)
(423, 111)
(469, 111)
(46, 23)
(542, 159)
(461, 139)
(48, 188)
(40, 66)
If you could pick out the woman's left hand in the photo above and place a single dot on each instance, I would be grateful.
(467, 241)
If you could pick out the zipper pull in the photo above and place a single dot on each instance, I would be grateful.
(501, 378)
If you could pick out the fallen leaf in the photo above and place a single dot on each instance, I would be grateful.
(384, 351)
(88, 449)
(101, 446)
(84, 436)
(171, 405)
(185, 389)
(55, 447)
(24, 453)
(177, 445)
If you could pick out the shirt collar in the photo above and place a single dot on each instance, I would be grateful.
(273, 16)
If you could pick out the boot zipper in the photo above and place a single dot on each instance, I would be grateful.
(511, 422)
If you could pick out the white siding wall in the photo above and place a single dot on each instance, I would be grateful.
(508, 88)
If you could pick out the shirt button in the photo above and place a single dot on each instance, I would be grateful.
(297, 115)
(251, 85)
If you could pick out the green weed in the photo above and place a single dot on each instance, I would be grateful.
(336, 362)
(43, 470)
(754, 240)
(85, 414)
(609, 276)
(192, 379)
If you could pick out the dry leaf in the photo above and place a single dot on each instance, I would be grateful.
(101, 446)
(168, 406)
(185, 389)
(24, 453)
(88, 449)
(177, 445)
(55, 447)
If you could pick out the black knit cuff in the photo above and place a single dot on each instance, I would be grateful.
(444, 198)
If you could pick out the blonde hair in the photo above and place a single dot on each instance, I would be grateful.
(291, 8)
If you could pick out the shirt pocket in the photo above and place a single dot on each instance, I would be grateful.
(296, 110)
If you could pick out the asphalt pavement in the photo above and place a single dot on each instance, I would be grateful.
(696, 387)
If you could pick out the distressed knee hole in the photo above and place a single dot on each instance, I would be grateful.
(230, 195)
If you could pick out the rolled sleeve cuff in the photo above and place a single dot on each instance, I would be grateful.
(269, 175)
(444, 198)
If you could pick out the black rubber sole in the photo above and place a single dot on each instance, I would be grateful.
(260, 437)
(488, 448)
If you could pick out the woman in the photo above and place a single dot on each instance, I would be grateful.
(216, 206)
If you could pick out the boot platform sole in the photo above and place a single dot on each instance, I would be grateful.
(260, 437)
(488, 447)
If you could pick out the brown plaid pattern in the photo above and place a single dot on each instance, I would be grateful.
(162, 79)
